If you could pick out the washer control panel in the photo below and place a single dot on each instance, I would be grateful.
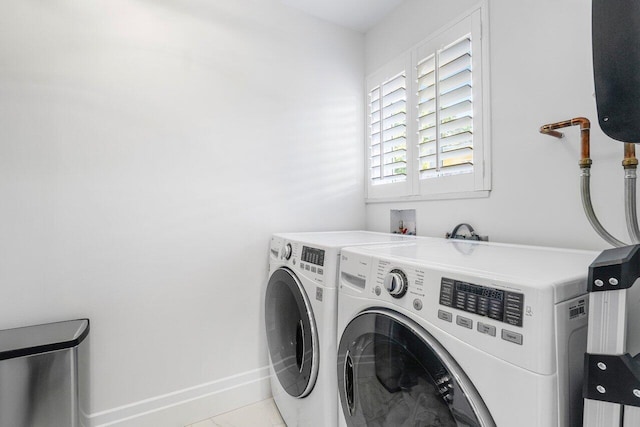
(312, 261)
(496, 304)
(313, 256)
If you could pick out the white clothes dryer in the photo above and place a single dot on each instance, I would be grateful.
(300, 318)
(454, 333)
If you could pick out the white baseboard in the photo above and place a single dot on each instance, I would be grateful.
(190, 405)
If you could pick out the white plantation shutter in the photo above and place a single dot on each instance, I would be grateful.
(427, 116)
(427, 125)
(445, 111)
(388, 131)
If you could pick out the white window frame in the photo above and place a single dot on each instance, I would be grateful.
(469, 185)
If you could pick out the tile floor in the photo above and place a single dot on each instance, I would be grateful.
(261, 414)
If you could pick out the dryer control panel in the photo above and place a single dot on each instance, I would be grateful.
(497, 304)
(312, 255)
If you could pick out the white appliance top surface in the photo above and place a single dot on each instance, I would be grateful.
(526, 264)
(339, 239)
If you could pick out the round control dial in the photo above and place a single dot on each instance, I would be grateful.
(287, 251)
(396, 283)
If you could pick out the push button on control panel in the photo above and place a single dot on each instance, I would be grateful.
(513, 311)
(486, 329)
(445, 315)
(464, 321)
(511, 336)
(446, 292)
(472, 304)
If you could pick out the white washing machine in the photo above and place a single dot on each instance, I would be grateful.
(300, 317)
(449, 333)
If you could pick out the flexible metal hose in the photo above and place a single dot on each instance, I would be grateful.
(585, 192)
(630, 210)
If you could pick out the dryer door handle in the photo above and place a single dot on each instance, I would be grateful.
(300, 350)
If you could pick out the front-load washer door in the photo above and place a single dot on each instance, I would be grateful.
(391, 372)
(291, 333)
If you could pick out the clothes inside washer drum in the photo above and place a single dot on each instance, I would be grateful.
(418, 406)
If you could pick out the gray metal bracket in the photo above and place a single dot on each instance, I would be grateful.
(612, 378)
(615, 269)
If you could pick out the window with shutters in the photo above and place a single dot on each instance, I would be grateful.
(389, 131)
(427, 119)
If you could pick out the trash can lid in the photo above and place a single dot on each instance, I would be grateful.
(30, 340)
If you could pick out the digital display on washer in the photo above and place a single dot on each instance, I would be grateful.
(480, 290)
(312, 256)
(503, 306)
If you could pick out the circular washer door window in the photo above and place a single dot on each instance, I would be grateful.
(391, 372)
(291, 333)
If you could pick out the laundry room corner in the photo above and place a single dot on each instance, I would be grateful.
(149, 151)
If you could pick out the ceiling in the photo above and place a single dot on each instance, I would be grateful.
(358, 15)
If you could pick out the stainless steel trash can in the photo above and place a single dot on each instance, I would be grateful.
(44, 375)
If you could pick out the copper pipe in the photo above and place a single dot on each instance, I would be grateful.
(585, 172)
(630, 161)
(585, 126)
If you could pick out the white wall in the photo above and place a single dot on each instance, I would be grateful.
(148, 149)
(541, 72)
